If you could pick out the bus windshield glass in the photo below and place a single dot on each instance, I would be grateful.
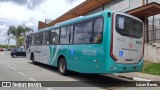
(127, 26)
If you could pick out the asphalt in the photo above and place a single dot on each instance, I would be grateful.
(21, 69)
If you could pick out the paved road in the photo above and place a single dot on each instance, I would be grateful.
(21, 69)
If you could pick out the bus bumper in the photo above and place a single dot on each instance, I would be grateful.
(113, 67)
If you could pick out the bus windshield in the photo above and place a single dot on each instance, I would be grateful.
(127, 26)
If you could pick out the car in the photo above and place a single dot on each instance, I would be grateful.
(5, 49)
(9, 49)
(1, 49)
(18, 52)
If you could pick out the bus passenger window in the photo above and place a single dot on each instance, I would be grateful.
(64, 37)
(83, 33)
(55, 36)
(33, 39)
(44, 38)
(47, 37)
(71, 34)
(98, 28)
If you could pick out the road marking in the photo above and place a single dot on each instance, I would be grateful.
(22, 73)
(140, 79)
(49, 89)
(32, 79)
(13, 68)
(8, 65)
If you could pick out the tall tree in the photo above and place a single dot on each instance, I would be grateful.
(18, 33)
(26, 30)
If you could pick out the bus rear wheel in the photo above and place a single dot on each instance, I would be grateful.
(62, 66)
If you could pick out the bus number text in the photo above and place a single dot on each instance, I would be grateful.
(89, 52)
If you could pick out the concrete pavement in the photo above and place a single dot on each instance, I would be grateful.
(138, 76)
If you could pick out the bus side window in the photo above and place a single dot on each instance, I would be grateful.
(87, 32)
(78, 35)
(48, 37)
(55, 36)
(33, 39)
(44, 38)
(37, 38)
(98, 28)
(71, 34)
(40, 38)
(64, 37)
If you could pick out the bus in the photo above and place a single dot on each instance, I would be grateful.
(103, 43)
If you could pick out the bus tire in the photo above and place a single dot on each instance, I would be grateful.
(62, 67)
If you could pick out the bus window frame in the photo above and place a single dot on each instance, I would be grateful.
(125, 34)
(93, 20)
(66, 26)
(102, 29)
(72, 27)
(54, 29)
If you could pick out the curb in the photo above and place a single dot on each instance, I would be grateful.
(131, 78)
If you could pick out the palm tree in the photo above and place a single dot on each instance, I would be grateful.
(25, 31)
(12, 32)
(18, 32)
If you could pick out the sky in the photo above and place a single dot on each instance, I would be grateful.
(29, 12)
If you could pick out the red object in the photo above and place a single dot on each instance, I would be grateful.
(114, 58)
(1, 49)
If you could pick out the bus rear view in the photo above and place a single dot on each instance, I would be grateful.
(127, 45)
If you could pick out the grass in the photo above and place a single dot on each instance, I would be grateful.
(151, 68)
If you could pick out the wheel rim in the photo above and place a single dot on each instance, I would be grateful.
(62, 67)
(14, 55)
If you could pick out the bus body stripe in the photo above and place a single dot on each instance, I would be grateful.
(56, 52)
(50, 48)
(52, 54)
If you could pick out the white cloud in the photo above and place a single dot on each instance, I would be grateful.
(16, 14)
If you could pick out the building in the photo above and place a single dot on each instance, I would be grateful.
(146, 10)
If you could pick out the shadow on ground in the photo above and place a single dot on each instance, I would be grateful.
(90, 80)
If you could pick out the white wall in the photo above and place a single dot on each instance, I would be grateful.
(152, 52)
(120, 5)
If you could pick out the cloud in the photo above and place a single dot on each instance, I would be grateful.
(70, 1)
(29, 3)
(29, 12)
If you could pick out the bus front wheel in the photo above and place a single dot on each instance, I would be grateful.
(62, 66)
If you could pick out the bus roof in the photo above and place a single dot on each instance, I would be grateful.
(70, 21)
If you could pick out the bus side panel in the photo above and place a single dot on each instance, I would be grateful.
(92, 59)
(54, 50)
(45, 54)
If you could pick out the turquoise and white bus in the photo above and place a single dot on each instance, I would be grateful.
(103, 43)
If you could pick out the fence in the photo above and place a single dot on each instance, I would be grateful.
(153, 34)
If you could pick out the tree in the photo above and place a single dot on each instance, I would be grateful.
(18, 33)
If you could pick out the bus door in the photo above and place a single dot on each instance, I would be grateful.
(72, 52)
(37, 50)
(45, 51)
